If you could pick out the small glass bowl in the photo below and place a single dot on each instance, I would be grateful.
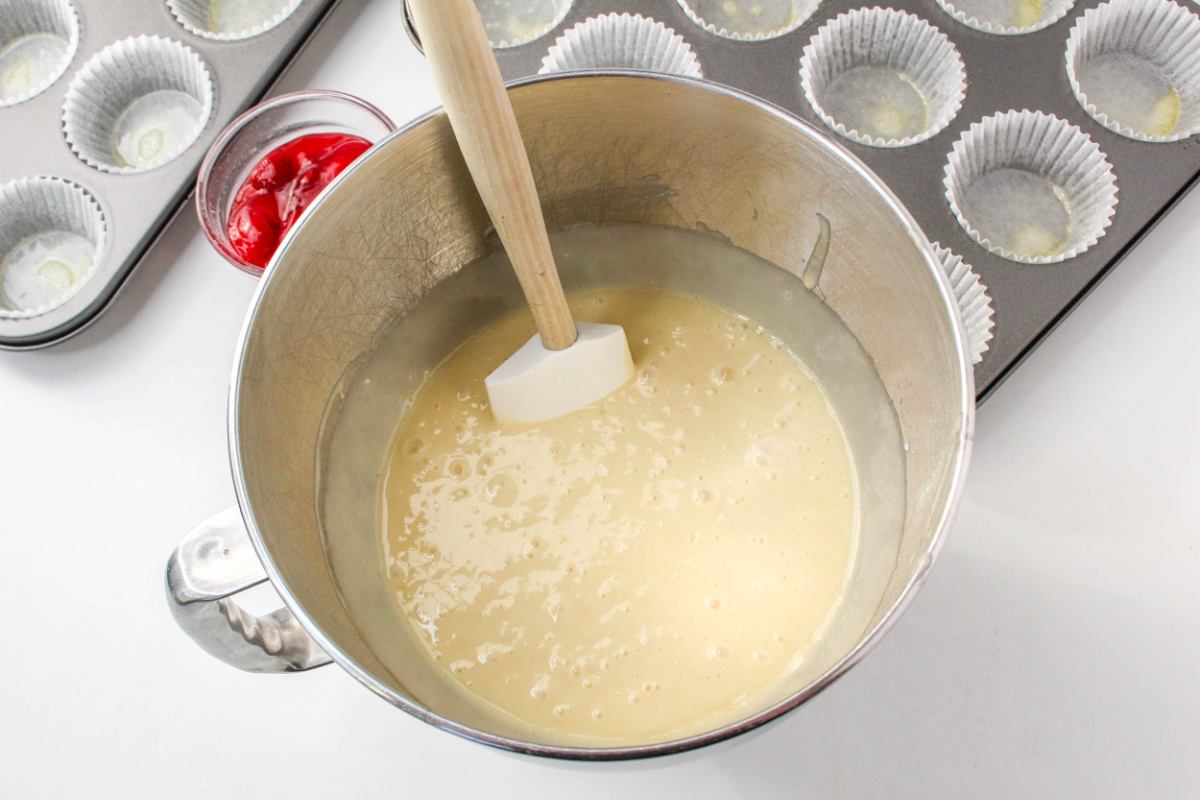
(256, 133)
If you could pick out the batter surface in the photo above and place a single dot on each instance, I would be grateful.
(637, 570)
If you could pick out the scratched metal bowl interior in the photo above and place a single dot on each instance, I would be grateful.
(253, 42)
(1003, 73)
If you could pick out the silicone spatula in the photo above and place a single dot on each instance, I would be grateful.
(566, 365)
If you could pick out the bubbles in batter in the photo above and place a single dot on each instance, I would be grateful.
(632, 568)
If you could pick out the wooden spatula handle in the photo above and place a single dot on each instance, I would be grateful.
(469, 83)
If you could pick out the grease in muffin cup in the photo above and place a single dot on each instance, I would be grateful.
(883, 77)
(749, 20)
(229, 20)
(974, 303)
(50, 244)
(38, 39)
(1134, 66)
(510, 23)
(1007, 17)
(137, 104)
(1030, 187)
(622, 41)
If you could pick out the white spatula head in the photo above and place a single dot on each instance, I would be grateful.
(537, 384)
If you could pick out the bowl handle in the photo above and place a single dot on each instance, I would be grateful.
(213, 562)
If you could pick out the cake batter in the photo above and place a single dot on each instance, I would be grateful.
(638, 569)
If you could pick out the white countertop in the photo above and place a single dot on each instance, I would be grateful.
(1054, 651)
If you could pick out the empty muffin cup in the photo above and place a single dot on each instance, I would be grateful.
(137, 104)
(883, 77)
(38, 39)
(50, 244)
(510, 23)
(749, 20)
(1134, 66)
(230, 20)
(973, 301)
(1030, 187)
(1007, 17)
(622, 41)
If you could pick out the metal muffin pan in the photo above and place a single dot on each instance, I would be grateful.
(136, 206)
(1013, 72)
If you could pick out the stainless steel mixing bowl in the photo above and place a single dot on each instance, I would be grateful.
(605, 148)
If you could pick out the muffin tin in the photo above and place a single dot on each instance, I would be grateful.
(99, 159)
(1122, 185)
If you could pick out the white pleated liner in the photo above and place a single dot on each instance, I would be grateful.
(560, 13)
(897, 40)
(32, 206)
(1161, 33)
(114, 78)
(19, 18)
(1046, 146)
(1052, 12)
(622, 41)
(193, 15)
(973, 301)
(802, 10)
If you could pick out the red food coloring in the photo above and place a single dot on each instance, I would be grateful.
(281, 186)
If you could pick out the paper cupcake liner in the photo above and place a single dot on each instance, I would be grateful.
(23, 18)
(1007, 17)
(927, 69)
(117, 78)
(510, 23)
(1053, 156)
(973, 301)
(622, 41)
(230, 20)
(534, 21)
(749, 20)
(1144, 42)
(32, 208)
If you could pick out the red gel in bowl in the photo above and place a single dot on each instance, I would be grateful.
(281, 186)
(270, 164)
